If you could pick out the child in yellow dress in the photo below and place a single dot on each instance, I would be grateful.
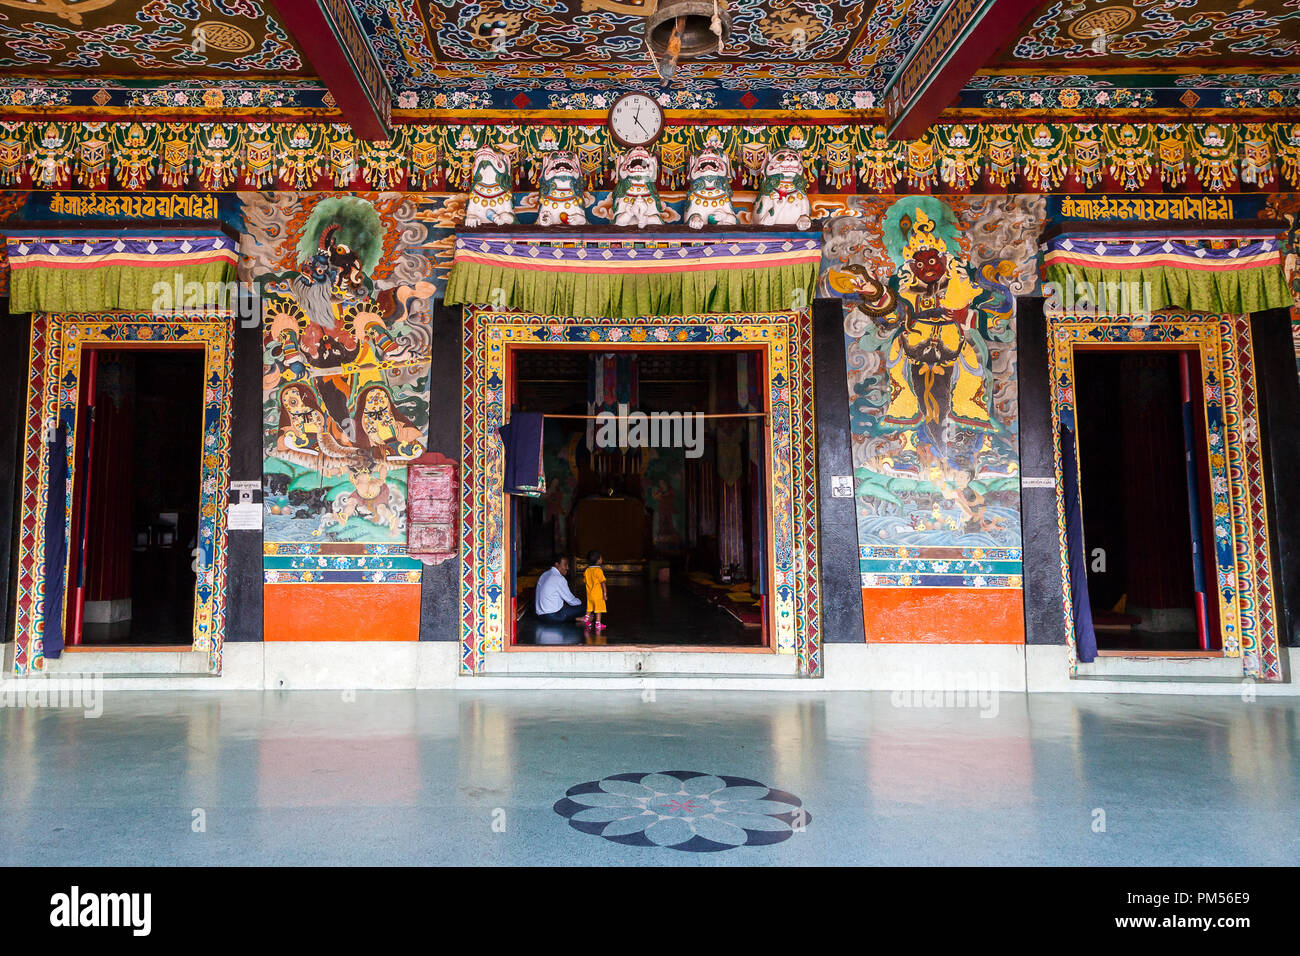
(597, 590)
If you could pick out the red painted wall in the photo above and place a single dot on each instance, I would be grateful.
(943, 615)
(341, 612)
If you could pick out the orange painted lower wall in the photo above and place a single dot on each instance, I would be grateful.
(341, 612)
(943, 615)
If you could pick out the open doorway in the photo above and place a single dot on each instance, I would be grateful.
(136, 498)
(679, 517)
(1146, 500)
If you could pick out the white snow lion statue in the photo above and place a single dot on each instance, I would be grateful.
(636, 200)
(562, 191)
(709, 201)
(783, 196)
(490, 199)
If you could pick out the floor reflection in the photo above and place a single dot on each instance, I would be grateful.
(473, 777)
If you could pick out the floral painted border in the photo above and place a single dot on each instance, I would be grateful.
(205, 95)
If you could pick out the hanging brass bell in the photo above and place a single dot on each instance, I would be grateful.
(693, 21)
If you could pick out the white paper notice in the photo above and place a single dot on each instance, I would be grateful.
(244, 517)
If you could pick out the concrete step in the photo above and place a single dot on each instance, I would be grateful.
(135, 663)
(639, 663)
(1135, 665)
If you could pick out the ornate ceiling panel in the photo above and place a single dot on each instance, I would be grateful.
(1158, 33)
(608, 32)
(144, 38)
(422, 44)
(523, 57)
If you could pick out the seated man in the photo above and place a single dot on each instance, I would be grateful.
(553, 601)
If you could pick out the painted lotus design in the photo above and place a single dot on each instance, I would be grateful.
(683, 810)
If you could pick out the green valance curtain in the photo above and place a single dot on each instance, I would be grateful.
(629, 278)
(1119, 277)
(129, 275)
(111, 288)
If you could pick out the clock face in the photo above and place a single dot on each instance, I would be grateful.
(636, 119)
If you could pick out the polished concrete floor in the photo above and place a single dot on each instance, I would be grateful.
(531, 777)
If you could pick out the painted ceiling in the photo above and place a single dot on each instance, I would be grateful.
(610, 34)
(134, 38)
(508, 56)
(423, 43)
(1158, 33)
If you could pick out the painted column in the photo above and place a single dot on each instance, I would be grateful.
(1279, 423)
(841, 579)
(440, 583)
(244, 547)
(1038, 525)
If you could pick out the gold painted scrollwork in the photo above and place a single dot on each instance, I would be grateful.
(631, 8)
(70, 10)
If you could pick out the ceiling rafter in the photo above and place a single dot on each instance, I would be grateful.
(960, 40)
(333, 42)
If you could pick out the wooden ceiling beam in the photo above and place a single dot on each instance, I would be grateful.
(333, 42)
(961, 39)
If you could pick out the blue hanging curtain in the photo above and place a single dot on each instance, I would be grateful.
(1194, 501)
(522, 438)
(56, 546)
(1085, 638)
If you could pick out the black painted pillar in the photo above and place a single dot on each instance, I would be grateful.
(440, 583)
(1278, 393)
(244, 548)
(841, 575)
(1040, 536)
(13, 408)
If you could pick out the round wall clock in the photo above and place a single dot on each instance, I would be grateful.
(636, 119)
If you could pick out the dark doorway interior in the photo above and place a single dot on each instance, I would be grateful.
(681, 534)
(142, 455)
(1146, 502)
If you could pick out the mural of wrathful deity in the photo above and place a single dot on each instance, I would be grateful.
(931, 350)
(345, 386)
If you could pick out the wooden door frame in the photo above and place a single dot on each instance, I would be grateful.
(1205, 479)
(1247, 625)
(762, 351)
(57, 344)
